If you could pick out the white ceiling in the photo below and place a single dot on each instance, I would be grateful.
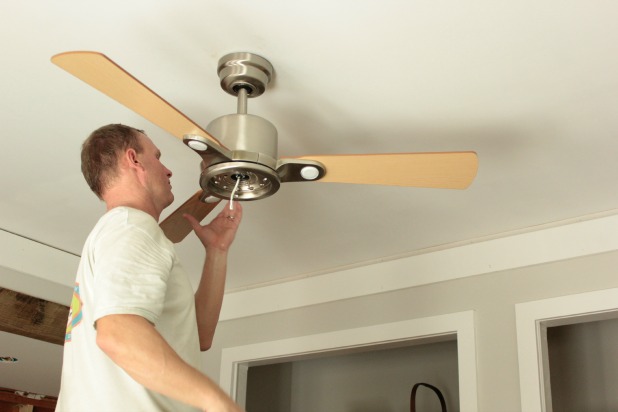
(531, 86)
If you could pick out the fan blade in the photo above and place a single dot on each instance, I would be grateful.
(446, 170)
(176, 227)
(103, 74)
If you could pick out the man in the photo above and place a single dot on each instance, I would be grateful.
(136, 327)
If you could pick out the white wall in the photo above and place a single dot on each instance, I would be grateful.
(491, 295)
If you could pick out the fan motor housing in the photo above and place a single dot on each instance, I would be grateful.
(253, 143)
(249, 137)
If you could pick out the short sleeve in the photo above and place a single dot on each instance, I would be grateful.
(131, 271)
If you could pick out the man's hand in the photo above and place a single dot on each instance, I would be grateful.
(220, 232)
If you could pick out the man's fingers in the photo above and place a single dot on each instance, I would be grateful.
(234, 214)
(193, 221)
(226, 214)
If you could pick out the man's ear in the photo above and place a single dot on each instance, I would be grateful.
(131, 159)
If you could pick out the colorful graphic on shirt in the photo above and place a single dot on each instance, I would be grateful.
(75, 313)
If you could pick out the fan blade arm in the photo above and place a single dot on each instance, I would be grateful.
(299, 170)
(176, 227)
(443, 170)
(102, 73)
(210, 152)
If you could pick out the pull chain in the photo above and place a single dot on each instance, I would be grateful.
(233, 193)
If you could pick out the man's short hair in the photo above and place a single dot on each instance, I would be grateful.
(101, 151)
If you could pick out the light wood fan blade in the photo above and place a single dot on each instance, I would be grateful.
(446, 170)
(103, 74)
(176, 227)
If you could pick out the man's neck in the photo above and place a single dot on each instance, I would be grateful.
(114, 198)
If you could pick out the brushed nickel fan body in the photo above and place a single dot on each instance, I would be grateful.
(251, 159)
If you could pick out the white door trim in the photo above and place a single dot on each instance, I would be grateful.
(533, 319)
(235, 361)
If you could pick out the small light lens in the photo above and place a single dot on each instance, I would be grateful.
(197, 145)
(309, 172)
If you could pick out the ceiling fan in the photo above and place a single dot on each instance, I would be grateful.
(239, 151)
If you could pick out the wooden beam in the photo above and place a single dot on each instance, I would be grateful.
(10, 397)
(32, 317)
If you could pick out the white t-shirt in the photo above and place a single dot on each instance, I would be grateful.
(128, 266)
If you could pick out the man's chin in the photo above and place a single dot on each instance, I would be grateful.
(170, 201)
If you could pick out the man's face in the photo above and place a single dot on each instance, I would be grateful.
(157, 175)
